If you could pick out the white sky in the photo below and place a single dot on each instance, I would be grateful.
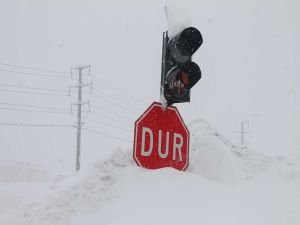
(249, 62)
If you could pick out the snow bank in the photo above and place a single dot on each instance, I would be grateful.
(223, 185)
(212, 155)
(81, 192)
(22, 172)
(216, 158)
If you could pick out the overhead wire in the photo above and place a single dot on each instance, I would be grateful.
(34, 93)
(34, 106)
(34, 125)
(31, 110)
(119, 90)
(109, 111)
(106, 124)
(103, 98)
(35, 74)
(33, 68)
(113, 99)
(106, 135)
(45, 109)
(109, 118)
(34, 88)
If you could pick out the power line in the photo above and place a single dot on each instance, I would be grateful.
(106, 135)
(113, 99)
(31, 110)
(107, 124)
(114, 103)
(34, 68)
(34, 125)
(119, 90)
(35, 74)
(34, 106)
(33, 88)
(33, 93)
(111, 112)
(109, 118)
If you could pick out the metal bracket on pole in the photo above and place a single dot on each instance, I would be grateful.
(80, 103)
(80, 85)
(79, 125)
(81, 67)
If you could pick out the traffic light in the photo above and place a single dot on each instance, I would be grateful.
(179, 73)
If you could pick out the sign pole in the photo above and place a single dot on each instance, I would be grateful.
(163, 69)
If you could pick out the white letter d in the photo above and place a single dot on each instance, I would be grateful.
(149, 151)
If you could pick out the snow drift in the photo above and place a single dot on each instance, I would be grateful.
(22, 172)
(223, 185)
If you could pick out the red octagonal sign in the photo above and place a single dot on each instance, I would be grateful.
(161, 139)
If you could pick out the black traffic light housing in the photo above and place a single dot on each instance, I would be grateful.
(179, 73)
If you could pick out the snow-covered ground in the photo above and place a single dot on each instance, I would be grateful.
(250, 64)
(223, 185)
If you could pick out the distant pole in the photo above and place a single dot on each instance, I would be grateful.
(242, 134)
(79, 103)
(79, 125)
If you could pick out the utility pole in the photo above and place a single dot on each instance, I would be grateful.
(243, 133)
(79, 104)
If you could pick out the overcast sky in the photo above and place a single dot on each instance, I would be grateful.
(249, 61)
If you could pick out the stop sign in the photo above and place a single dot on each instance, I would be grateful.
(161, 139)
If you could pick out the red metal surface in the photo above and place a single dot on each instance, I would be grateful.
(166, 132)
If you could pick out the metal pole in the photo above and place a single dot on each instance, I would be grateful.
(163, 68)
(79, 125)
(79, 104)
(242, 134)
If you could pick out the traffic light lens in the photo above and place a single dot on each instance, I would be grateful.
(184, 45)
(177, 83)
(180, 50)
(193, 37)
(193, 71)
